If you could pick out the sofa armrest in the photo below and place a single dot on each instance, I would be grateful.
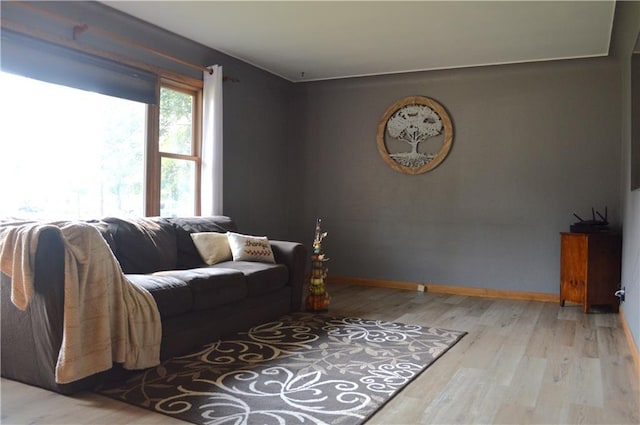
(31, 339)
(294, 256)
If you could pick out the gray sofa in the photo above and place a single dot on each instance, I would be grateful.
(198, 303)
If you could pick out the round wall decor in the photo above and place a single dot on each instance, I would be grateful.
(413, 120)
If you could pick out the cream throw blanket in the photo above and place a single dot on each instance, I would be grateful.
(106, 317)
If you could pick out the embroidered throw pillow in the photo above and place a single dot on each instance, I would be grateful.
(213, 247)
(250, 248)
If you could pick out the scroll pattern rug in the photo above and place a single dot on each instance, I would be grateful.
(302, 369)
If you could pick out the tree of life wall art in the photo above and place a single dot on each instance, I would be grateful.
(414, 135)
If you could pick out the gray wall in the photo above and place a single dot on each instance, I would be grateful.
(533, 143)
(627, 26)
(256, 167)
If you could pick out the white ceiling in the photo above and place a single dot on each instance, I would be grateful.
(315, 40)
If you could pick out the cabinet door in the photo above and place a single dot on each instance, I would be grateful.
(573, 268)
(603, 270)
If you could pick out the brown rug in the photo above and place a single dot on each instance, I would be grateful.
(303, 369)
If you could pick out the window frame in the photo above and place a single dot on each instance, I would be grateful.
(154, 155)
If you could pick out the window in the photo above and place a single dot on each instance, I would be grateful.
(72, 154)
(178, 149)
(68, 153)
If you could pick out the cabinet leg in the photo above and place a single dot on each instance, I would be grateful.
(561, 302)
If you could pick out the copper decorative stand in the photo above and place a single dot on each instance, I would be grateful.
(318, 298)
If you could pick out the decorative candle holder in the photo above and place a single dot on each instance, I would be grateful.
(318, 298)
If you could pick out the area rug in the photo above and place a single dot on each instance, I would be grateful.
(302, 369)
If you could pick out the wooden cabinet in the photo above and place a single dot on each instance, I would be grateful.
(590, 269)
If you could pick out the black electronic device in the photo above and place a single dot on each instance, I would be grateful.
(591, 226)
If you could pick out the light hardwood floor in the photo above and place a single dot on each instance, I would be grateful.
(521, 362)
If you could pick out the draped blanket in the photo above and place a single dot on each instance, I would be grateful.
(107, 318)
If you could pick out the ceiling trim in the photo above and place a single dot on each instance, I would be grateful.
(445, 68)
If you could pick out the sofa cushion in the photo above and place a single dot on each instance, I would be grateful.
(261, 277)
(172, 295)
(213, 247)
(211, 287)
(250, 248)
(188, 256)
(143, 245)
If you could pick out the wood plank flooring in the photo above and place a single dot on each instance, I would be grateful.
(522, 362)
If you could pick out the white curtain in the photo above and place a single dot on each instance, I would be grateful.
(211, 195)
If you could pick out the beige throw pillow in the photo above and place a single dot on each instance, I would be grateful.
(250, 248)
(213, 247)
